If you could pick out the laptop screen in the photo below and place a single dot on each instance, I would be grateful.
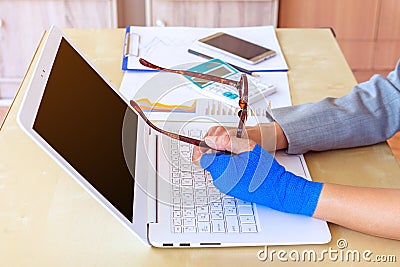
(91, 127)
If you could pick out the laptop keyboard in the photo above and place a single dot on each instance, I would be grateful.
(198, 206)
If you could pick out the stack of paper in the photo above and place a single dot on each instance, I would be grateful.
(168, 47)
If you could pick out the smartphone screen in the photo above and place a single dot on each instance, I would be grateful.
(238, 47)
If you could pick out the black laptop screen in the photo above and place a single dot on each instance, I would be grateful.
(91, 127)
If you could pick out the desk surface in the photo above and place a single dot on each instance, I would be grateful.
(47, 219)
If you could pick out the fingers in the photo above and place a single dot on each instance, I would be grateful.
(198, 151)
(216, 130)
(196, 155)
(219, 142)
(230, 143)
(222, 144)
(222, 138)
(220, 130)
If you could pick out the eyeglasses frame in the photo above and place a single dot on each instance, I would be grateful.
(241, 86)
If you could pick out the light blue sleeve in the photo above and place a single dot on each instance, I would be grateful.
(369, 114)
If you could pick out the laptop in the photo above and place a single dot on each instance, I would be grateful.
(74, 114)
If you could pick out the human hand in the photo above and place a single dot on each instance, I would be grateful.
(219, 138)
(254, 175)
(268, 135)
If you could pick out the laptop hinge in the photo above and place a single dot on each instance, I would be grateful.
(152, 179)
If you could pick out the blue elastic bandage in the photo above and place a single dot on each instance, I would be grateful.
(257, 177)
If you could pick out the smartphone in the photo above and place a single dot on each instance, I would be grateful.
(241, 49)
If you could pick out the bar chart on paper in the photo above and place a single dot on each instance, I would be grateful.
(214, 107)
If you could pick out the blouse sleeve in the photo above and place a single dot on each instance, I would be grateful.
(369, 114)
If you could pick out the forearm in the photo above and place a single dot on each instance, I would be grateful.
(374, 211)
(252, 174)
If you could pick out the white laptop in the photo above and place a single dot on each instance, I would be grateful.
(90, 130)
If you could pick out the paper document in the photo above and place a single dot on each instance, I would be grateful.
(168, 92)
(168, 46)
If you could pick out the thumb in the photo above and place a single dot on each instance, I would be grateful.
(230, 143)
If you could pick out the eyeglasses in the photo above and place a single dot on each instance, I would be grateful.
(241, 86)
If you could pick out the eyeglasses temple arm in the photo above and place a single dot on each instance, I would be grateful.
(186, 139)
(192, 74)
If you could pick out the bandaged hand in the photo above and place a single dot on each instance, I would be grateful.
(252, 174)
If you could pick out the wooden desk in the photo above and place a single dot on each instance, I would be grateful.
(46, 219)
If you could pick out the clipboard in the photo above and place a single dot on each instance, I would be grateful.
(131, 47)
